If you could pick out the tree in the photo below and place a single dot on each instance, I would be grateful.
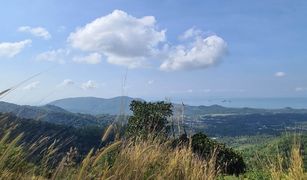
(149, 118)
(227, 160)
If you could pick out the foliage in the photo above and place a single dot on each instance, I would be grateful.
(39, 136)
(148, 119)
(227, 160)
(248, 124)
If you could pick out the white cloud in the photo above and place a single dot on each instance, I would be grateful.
(36, 31)
(206, 90)
(94, 58)
(59, 55)
(89, 85)
(123, 39)
(66, 82)
(150, 82)
(280, 74)
(190, 33)
(230, 90)
(190, 91)
(11, 49)
(31, 86)
(61, 29)
(202, 53)
(300, 89)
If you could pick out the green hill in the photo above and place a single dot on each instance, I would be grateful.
(54, 114)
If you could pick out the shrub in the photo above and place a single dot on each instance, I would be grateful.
(227, 160)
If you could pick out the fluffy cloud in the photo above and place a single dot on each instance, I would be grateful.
(66, 82)
(94, 58)
(130, 41)
(202, 53)
(59, 55)
(36, 31)
(122, 38)
(89, 85)
(31, 86)
(190, 33)
(11, 49)
(280, 74)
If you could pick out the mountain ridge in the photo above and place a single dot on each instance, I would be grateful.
(95, 106)
(53, 114)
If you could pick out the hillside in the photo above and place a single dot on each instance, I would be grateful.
(216, 121)
(47, 133)
(54, 114)
(248, 124)
(215, 110)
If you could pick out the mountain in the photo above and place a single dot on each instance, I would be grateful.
(54, 114)
(112, 106)
(95, 106)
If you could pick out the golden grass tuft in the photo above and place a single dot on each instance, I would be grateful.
(107, 133)
(106, 150)
(84, 166)
(295, 171)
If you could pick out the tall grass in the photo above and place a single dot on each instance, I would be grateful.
(150, 159)
(124, 159)
(295, 166)
(154, 160)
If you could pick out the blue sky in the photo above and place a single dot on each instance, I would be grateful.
(180, 49)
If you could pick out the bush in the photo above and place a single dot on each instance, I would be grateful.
(227, 160)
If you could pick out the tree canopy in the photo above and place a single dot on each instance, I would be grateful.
(149, 118)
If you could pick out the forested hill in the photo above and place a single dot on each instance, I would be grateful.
(46, 133)
(54, 114)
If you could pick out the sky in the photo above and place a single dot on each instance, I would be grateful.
(153, 49)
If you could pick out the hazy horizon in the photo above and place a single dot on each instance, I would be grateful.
(232, 102)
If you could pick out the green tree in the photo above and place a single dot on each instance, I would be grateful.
(228, 161)
(149, 118)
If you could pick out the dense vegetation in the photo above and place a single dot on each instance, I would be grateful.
(248, 125)
(63, 137)
(148, 147)
(56, 115)
(224, 124)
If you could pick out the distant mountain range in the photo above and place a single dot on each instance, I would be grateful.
(112, 106)
(214, 120)
(54, 114)
(95, 106)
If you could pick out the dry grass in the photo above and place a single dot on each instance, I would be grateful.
(150, 159)
(141, 160)
(295, 171)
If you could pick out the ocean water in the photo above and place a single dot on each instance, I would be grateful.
(267, 103)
